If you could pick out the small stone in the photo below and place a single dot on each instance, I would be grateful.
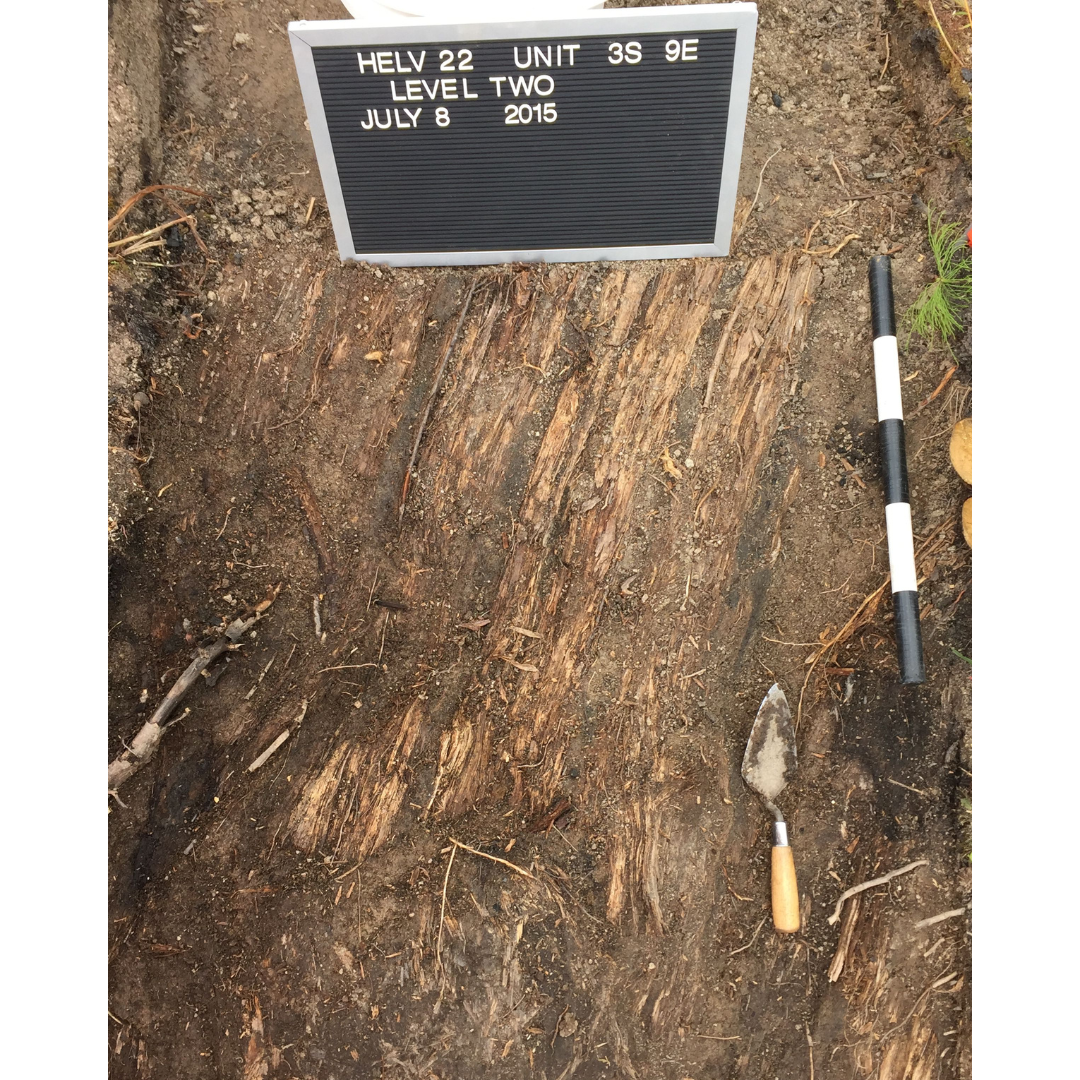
(826, 67)
(139, 400)
(965, 74)
(845, 100)
(240, 40)
(777, 100)
(568, 1024)
(688, 463)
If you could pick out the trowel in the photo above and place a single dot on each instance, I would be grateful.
(769, 763)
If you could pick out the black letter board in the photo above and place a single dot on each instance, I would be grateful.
(614, 135)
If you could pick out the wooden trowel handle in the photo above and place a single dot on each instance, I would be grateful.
(785, 889)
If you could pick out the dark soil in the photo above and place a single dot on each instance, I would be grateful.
(305, 920)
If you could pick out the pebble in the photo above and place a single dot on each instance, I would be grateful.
(965, 74)
(139, 400)
(777, 100)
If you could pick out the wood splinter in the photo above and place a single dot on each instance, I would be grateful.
(142, 747)
(264, 757)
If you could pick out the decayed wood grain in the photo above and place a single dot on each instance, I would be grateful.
(365, 783)
(566, 504)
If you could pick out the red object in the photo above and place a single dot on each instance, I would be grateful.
(969, 238)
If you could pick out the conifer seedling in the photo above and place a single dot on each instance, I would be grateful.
(936, 316)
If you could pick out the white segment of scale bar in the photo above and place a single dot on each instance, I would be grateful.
(887, 379)
(901, 547)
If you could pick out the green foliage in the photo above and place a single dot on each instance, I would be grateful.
(936, 316)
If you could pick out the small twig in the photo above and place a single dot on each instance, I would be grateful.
(265, 755)
(941, 31)
(940, 386)
(149, 736)
(382, 643)
(564, 836)
(442, 909)
(907, 787)
(318, 617)
(156, 231)
(123, 211)
(752, 940)
(344, 667)
(435, 386)
(872, 599)
(886, 67)
(836, 169)
(493, 858)
(943, 116)
(258, 681)
(221, 531)
(918, 1002)
(940, 918)
(189, 220)
(832, 252)
(717, 1038)
(810, 1046)
(856, 889)
(359, 916)
(761, 177)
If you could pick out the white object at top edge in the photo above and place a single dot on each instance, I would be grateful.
(369, 11)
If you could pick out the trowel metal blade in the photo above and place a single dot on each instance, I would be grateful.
(769, 761)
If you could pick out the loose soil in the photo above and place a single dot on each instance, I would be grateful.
(646, 492)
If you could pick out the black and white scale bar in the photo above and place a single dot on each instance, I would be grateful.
(894, 467)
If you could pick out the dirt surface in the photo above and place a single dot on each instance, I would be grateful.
(646, 492)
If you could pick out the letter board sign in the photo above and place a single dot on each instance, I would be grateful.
(611, 135)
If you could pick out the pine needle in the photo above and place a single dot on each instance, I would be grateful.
(937, 313)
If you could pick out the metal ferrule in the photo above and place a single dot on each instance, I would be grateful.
(779, 834)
